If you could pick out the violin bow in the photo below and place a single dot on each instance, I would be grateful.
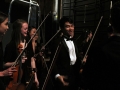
(93, 37)
(52, 65)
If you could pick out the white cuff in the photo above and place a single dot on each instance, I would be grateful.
(57, 75)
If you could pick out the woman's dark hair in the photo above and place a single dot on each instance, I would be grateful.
(63, 20)
(16, 33)
(30, 28)
(2, 17)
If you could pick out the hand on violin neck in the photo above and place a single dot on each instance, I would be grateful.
(24, 58)
(84, 59)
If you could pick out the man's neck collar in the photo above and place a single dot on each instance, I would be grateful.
(66, 36)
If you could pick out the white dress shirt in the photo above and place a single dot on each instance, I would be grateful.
(72, 52)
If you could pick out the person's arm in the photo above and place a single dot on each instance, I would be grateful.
(7, 72)
(33, 65)
(8, 64)
(61, 78)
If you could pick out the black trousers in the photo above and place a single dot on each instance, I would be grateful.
(72, 80)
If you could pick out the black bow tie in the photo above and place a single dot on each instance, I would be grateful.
(69, 39)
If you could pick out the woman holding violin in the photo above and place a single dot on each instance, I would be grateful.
(38, 52)
(35, 55)
(12, 50)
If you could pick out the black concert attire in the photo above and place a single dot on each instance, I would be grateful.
(1, 56)
(11, 53)
(1, 67)
(102, 69)
(64, 65)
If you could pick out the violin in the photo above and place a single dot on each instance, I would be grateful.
(15, 83)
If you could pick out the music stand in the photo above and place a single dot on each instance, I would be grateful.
(31, 3)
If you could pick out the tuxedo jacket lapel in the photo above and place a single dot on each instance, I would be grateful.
(65, 45)
(76, 49)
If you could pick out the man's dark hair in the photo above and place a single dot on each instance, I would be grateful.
(115, 17)
(65, 19)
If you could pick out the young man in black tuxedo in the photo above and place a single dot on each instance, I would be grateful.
(67, 64)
